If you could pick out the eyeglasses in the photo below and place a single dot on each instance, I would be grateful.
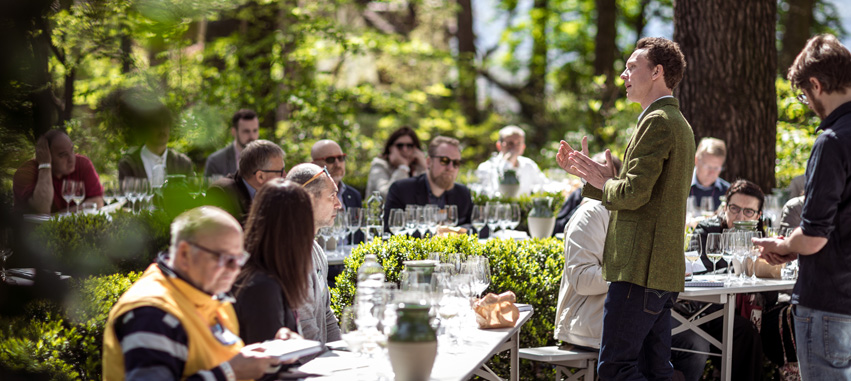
(803, 99)
(404, 145)
(225, 259)
(279, 172)
(712, 167)
(735, 209)
(316, 176)
(445, 161)
(332, 159)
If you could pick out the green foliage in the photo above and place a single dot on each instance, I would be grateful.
(83, 244)
(796, 134)
(64, 342)
(532, 269)
(526, 203)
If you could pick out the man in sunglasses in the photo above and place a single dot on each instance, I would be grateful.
(176, 321)
(245, 128)
(511, 145)
(260, 161)
(435, 187)
(327, 153)
(315, 317)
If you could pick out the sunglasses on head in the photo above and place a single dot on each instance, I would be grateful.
(404, 145)
(316, 176)
(445, 161)
(332, 159)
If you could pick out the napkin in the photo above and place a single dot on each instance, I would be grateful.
(496, 311)
(444, 231)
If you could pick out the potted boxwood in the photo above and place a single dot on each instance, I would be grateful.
(541, 220)
(509, 184)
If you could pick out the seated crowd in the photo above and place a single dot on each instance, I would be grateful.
(193, 311)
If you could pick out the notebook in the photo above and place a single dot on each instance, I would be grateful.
(703, 283)
(292, 349)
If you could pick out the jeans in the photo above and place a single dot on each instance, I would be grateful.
(636, 343)
(824, 344)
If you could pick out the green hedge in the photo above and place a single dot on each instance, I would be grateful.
(65, 341)
(531, 269)
(94, 244)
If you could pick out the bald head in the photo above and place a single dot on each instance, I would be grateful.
(327, 153)
(61, 148)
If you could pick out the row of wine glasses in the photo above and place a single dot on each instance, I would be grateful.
(338, 231)
(75, 191)
(728, 246)
(495, 216)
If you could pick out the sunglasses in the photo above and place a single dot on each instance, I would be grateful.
(333, 159)
(445, 161)
(316, 176)
(224, 259)
(404, 145)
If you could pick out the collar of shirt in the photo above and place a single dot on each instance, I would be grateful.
(251, 190)
(150, 159)
(840, 111)
(657, 99)
(695, 183)
(434, 200)
(341, 188)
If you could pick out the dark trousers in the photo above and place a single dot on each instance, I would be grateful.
(636, 343)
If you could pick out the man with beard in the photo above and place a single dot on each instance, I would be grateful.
(437, 186)
(245, 128)
(510, 147)
(822, 294)
(327, 153)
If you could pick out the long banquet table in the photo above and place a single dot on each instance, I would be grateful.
(725, 296)
(458, 362)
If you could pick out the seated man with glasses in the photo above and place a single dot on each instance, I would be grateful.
(176, 321)
(327, 153)
(259, 162)
(435, 187)
(709, 161)
(510, 147)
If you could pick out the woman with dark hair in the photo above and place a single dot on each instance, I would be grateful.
(402, 158)
(274, 281)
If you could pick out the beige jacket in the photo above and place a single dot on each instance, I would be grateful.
(382, 175)
(579, 315)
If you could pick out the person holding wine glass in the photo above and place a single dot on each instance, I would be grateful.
(37, 184)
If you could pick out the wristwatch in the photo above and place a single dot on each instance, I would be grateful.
(43, 166)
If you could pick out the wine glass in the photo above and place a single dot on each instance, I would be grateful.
(68, 189)
(514, 217)
(422, 221)
(341, 230)
(727, 251)
(355, 219)
(753, 253)
(397, 221)
(410, 219)
(432, 213)
(478, 218)
(144, 192)
(451, 215)
(714, 249)
(349, 330)
(108, 193)
(79, 194)
(707, 208)
(130, 189)
(324, 233)
(692, 249)
(479, 268)
(492, 217)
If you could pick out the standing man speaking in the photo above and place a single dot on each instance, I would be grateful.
(643, 254)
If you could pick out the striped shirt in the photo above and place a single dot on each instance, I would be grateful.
(155, 347)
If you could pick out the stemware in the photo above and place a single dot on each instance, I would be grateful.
(714, 249)
(504, 218)
(492, 211)
(129, 186)
(68, 189)
(433, 217)
(349, 330)
(727, 251)
(410, 219)
(397, 221)
(692, 249)
(451, 215)
(355, 221)
(753, 253)
(108, 193)
(478, 218)
(514, 217)
(79, 194)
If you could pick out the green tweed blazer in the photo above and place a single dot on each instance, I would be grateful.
(644, 243)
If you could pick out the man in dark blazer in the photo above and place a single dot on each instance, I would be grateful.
(153, 160)
(327, 153)
(437, 186)
(643, 254)
(245, 128)
(261, 161)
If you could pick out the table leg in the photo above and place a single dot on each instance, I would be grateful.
(515, 356)
(727, 338)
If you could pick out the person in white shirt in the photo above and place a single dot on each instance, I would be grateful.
(510, 147)
(153, 160)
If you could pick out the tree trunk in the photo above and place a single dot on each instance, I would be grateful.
(799, 20)
(533, 100)
(467, 94)
(728, 88)
(604, 42)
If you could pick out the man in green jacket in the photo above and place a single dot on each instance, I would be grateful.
(643, 255)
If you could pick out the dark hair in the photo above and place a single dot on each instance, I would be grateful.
(438, 140)
(242, 114)
(255, 155)
(279, 236)
(746, 188)
(826, 59)
(662, 51)
(402, 131)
